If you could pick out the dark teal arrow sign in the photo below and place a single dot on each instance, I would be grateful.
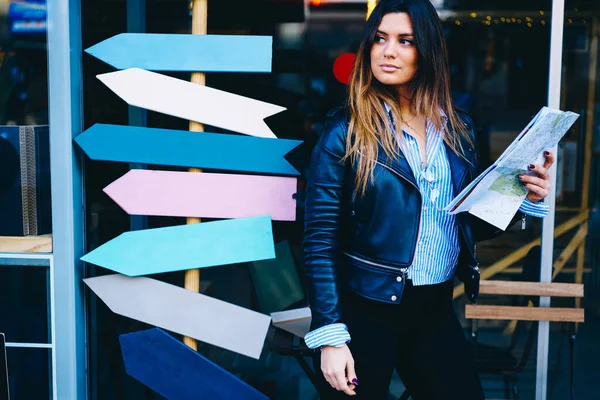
(174, 52)
(176, 372)
(132, 144)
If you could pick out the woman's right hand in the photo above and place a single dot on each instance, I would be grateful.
(337, 366)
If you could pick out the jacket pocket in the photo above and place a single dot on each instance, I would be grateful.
(375, 284)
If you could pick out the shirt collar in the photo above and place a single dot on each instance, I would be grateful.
(388, 110)
(387, 107)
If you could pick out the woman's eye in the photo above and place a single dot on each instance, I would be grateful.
(379, 39)
(406, 42)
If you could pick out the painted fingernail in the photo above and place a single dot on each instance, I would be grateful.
(531, 166)
(546, 153)
(355, 381)
(520, 176)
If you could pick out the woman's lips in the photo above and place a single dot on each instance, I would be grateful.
(388, 68)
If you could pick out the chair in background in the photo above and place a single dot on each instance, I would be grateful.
(504, 361)
(511, 360)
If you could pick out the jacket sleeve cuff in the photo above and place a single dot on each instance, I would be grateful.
(335, 335)
(539, 210)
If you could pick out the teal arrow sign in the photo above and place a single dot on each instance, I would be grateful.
(132, 144)
(184, 247)
(183, 52)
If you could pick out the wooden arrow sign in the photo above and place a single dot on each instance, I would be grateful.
(184, 52)
(187, 194)
(176, 372)
(185, 312)
(184, 247)
(131, 144)
(193, 102)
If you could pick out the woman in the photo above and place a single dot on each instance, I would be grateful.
(380, 253)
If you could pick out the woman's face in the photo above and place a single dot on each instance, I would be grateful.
(394, 54)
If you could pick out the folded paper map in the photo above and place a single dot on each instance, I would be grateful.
(496, 195)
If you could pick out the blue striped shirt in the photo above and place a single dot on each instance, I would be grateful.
(436, 254)
(438, 244)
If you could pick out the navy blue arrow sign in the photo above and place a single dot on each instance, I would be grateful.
(132, 144)
(184, 52)
(176, 372)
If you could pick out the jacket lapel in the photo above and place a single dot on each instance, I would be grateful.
(399, 165)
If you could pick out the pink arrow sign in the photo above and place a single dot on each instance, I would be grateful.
(186, 194)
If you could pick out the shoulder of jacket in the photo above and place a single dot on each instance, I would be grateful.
(339, 115)
(468, 121)
(335, 130)
(466, 118)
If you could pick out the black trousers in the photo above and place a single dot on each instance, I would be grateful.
(421, 337)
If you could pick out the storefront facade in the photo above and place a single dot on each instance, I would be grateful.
(69, 351)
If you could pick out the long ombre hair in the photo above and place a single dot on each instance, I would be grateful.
(430, 90)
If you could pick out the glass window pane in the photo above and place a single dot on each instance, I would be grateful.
(578, 174)
(24, 137)
(29, 373)
(24, 312)
(499, 57)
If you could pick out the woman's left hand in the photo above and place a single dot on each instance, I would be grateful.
(538, 185)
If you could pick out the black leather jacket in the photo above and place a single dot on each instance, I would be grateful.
(366, 243)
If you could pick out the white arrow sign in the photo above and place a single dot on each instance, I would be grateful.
(193, 102)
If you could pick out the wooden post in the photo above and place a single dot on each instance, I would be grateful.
(371, 4)
(199, 27)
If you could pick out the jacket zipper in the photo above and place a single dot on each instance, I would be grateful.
(404, 269)
(412, 258)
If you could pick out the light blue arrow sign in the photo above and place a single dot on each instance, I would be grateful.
(184, 247)
(176, 372)
(182, 52)
(132, 144)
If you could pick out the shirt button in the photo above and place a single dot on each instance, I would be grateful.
(399, 279)
(394, 298)
(425, 208)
